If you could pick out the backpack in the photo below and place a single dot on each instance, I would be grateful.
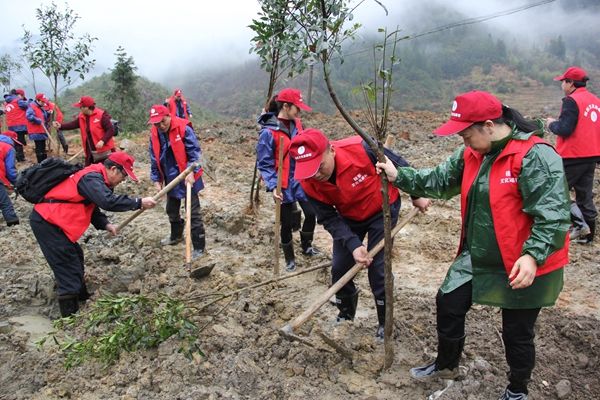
(34, 182)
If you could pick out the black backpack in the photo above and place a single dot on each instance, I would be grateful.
(116, 126)
(34, 182)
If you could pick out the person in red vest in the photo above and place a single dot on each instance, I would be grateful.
(8, 176)
(278, 127)
(96, 130)
(578, 142)
(36, 125)
(173, 147)
(16, 120)
(178, 105)
(514, 241)
(54, 112)
(341, 183)
(67, 211)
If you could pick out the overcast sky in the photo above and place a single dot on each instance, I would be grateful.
(170, 37)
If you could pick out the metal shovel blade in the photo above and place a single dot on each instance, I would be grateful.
(201, 272)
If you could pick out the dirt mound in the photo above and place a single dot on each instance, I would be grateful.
(245, 358)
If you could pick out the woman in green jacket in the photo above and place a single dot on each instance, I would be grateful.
(514, 242)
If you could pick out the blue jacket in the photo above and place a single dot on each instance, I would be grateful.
(169, 165)
(265, 158)
(9, 161)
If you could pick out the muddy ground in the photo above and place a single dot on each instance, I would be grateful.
(245, 358)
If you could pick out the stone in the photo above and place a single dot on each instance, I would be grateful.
(563, 389)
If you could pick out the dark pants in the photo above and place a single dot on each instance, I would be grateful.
(8, 211)
(63, 256)
(63, 142)
(517, 332)
(343, 260)
(197, 226)
(22, 137)
(287, 210)
(580, 177)
(40, 150)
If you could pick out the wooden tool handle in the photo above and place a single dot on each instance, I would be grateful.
(188, 223)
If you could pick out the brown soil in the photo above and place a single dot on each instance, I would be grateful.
(245, 358)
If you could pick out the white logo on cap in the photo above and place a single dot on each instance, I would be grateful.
(301, 150)
(454, 105)
(153, 112)
(594, 116)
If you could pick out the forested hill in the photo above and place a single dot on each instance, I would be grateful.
(433, 67)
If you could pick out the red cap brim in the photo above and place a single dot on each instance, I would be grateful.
(560, 77)
(307, 169)
(451, 127)
(303, 106)
(156, 119)
(131, 174)
(78, 105)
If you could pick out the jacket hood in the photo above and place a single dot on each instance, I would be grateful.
(268, 120)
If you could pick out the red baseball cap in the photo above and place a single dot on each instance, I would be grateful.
(157, 113)
(124, 160)
(572, 73)
(20, 91)
(41, 97)
(469, 108)
(12, 135)
(294, 96)
(307, 149)
(85, 101)
(177, 92)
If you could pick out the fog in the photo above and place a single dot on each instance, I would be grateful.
(169, 39)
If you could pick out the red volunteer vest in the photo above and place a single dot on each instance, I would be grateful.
(585, 139)
(173, 107)
(511, 225)
(74, 217)
(176, 135)
(96, 130)
(357, 192)
(39, 113)
(15, 115)
(279, 137)
(4, 149)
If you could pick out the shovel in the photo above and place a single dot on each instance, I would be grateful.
(199, 272)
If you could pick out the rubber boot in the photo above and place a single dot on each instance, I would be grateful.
(288, 254)
(20, 154)
(592, 224)
(40, 157)
(68, 304)
(176, 235)
(308, 249)
(199, 243)
(12, 222)
(510, 395)
(347, 306)
(445, 365)
(84, 295)
(580, 228)
(380, 305)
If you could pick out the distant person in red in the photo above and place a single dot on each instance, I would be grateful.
(178, 105)
(578, 143)
(8, 176)
(54, 112)
(96, 130)
(16, 121)
(36, 125)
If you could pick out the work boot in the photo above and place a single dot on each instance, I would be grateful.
(510, 395)
(84, 295)
(199, 242)
(66, 149)
(580, 228)
(347, 306)
(68, 304)
(445, 365)
(308, 249)
(380, 305)
(288, 254)
(176, 235)
(12, 222)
